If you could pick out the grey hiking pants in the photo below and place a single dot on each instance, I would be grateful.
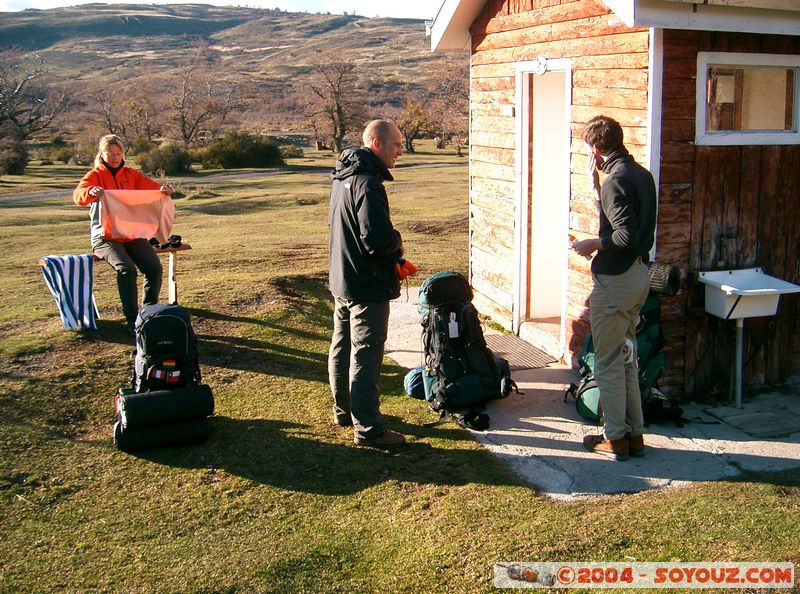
(354, 363)
(125, 258)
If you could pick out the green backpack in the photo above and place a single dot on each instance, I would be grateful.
(650, 357)
(461, 373)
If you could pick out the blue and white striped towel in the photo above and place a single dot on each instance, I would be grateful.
(70, 280)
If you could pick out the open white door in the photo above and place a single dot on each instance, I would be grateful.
(543, 181)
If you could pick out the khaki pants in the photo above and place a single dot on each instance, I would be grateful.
(614, 307)
(354, 363)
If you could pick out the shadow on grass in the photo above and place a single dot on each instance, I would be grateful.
(240, 206)
(291, 456)
(262, 356)
(292, 342)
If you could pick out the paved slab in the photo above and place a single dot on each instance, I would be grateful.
(540, 436)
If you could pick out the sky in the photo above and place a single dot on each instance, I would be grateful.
(416, 9)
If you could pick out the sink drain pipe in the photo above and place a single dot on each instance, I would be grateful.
(737, 377)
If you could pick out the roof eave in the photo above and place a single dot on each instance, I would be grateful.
(672, 14)
(450, 29)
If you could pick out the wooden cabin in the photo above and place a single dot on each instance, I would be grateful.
(708, 94)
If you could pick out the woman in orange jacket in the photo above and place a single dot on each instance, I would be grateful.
(111, 173)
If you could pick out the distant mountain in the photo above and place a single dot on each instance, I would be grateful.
(99, 45)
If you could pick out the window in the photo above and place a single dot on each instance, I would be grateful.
(747, 99)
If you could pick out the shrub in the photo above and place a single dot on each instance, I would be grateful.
(139, 146)
(289, 151)
(169, 158)
(62, 154)
(13, 156)
(58, 140)
(84, 151)
(81, 159)
(241, 149)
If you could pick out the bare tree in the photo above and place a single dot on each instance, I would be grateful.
(449, 105)
(27, 103)
(145, 109)
(331, 105)
(110, 111)
(202, 99)
(413, 121)
(136, 114)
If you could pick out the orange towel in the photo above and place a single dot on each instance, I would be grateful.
(136, 214)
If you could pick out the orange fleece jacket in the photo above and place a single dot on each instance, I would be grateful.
(126, 179)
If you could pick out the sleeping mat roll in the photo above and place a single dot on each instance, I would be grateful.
(162, 407)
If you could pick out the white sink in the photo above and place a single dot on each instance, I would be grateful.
(748, 293)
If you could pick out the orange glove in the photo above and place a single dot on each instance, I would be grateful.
(405, 268)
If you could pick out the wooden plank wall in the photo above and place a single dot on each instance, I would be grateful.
(724, 207)
(610, 76)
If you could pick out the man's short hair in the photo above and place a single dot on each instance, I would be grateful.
(380, 129)
(604, 133)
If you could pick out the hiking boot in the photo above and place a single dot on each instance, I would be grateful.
(384, 440)
(636, 445)
(615, 448)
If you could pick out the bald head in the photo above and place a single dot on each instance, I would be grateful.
(385, 140)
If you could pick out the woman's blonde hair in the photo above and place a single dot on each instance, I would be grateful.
(105, 142)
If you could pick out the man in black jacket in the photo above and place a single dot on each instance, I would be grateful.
(621, 283)
(363, 245)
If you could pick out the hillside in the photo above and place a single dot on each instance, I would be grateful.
(99, 45)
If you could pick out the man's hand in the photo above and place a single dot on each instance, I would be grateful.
(96, 191)
(592, 172)
(167, 189)
(586, 247)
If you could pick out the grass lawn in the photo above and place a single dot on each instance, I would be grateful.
(279, 500)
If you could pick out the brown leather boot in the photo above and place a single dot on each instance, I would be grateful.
(386, 439)
(636, 445)
(615, 448)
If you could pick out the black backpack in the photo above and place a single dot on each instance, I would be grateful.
(166, 349)
(461, 373)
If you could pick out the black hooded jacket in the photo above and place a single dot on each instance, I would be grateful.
(628, 217)
(362, 238)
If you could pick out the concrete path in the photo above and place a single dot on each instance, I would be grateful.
(540, 437)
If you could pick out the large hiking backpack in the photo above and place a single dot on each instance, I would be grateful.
(166, 349)
(650, 360)
(443, 287)
(461, 373)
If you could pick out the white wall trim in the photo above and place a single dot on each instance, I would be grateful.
(469, 176)
(655, 86)
(520, 285)
(739, 137)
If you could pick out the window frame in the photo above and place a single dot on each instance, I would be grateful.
(744, 137)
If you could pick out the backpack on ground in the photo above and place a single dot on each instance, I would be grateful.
(650, 360)
(166, 349)
(166, 405)
(460, 373)
(443, 287)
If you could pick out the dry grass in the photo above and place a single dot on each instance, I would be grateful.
(278, 500)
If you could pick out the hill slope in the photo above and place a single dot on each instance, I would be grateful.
(100, 45)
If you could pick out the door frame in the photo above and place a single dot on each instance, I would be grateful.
(538, 66)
